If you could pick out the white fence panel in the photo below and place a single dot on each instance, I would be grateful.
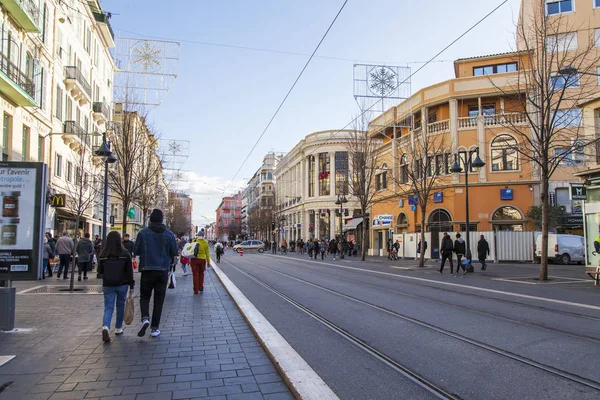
(474, 239)
(515, 246)
(410, 245)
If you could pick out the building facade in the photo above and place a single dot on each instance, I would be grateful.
(259, 199)
(228, 222)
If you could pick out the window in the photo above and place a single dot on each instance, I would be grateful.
(44, 24)
(560, 81)
(495, 69)
(324, 171)
(381, 178)
(430, 165)
(441, 164)
(69, 171)
(40, 151)
(504, 153)
(569, 156)
(597, 37)
(486, 109)
(561, 42)
(598, 71)
(25, 144)
(463, 156)
(472, 227)
(404, 169)
(341, 172)
(565, 118)
(78, 176)
(6, 136)
(311, 176)
(57, 165)
(558, 6)
(596, 3)
(41, 81)
(59, 106)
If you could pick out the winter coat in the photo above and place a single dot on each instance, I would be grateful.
(203, 249)
(85, 249)
(156, 247)
(116, 271)
(47, 252)
(64, 245)
(333, 246)
(446, 244)
(52, 243)
(459, 246)
(483, 249)
(129, 245)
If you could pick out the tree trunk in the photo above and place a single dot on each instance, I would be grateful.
(75, 241)
(363, 239)
(125, 209)
(545, 221)
(422, 253)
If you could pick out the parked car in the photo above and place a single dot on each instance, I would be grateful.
(250, 245)
(562, 248)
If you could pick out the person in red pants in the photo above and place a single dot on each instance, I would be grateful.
(199, 263)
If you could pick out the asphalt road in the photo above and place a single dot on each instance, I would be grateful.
(388, 331)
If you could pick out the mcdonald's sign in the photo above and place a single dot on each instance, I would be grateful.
(58, 200)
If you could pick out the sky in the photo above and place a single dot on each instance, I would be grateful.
(224, 97)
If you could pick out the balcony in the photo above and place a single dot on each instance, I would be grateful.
(25, 13)
(101, 112)
(76, 83)
(74, 135)
(509, 119)
(439, 127)
(15, 83)
(105, 29)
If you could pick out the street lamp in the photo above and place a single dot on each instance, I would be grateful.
(104, 151)
(468, 163)
(341, 200)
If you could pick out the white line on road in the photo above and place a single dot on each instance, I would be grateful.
(301, 378)
(5, 359)
(523, 296)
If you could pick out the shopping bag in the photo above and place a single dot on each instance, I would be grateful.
(190, 250)
(129, 310)
(134, 264)
(172, 281)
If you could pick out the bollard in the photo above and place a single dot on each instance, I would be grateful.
(241, 252)
(7, 308)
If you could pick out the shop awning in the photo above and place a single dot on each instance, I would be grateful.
(352, 224)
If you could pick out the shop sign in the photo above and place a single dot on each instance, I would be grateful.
(298, 226)
(506, 194)
(23, 192)
(58, 200)
(413, 200)
(438, 197)
(571, 220)
(578, 193)
(383, 220)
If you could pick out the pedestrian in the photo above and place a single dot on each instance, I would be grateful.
(156, 248)
(47, 254)
(483, 250)
(115, 265)
(446, 249)
(85, 252)
(273, 247)
(128, 244)
(199, 263)
(51, 242)
(340, 248)
(460, 250)
(424, 247)
(322, 248)
(396, 249)
(97, 244)
(355, 250)
(64, 248)
(283, 246)
(218, 251)
(310, 245)
(333, 248)
(390, 243)
(184, 263)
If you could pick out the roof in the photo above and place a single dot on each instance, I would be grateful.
(489, 56)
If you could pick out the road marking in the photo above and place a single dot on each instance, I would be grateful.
(5, 359)
(501, 292)
(300, 377)
(30, 289)
(528, 280)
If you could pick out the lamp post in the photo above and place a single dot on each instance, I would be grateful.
(104, 151)
(468, 163)
(341, 200)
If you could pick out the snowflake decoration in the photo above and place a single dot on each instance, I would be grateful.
(174, 147)
(147, 56)
(382, 81)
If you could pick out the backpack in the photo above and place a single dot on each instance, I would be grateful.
(190, 250)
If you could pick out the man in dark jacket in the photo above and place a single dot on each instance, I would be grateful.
(446, 250)
(460, 249)
(128, 244)
(483, 250)
(64, 249)
(157, 249)
(85, 252)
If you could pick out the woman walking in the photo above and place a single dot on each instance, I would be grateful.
(483, 250)
(333, 247)
(114, 263)
(47, 254)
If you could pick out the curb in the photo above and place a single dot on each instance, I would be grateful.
(300, 378)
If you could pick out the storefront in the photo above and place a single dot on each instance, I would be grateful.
(381, 233)
(590, 195)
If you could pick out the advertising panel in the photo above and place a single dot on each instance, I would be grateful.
(22, 192)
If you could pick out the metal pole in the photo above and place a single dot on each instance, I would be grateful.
(467, 167)
(104, 204)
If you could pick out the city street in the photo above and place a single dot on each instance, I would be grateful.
(386, 329)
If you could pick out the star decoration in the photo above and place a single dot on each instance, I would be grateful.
(382, 81)
(147, 56)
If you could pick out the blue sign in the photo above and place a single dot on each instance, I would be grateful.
(438, 197)
(413, 200)
(506, 194)
(413, 208)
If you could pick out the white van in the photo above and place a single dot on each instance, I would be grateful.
(562, 248)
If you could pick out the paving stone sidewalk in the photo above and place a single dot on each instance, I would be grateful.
(206, 350)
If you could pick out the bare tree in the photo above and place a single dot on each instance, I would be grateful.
(79, 190)
(149, 170)
(364, 157)
(177, 220)
(423, 160)
(541, 110)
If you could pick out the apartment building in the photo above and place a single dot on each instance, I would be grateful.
(258, 204)
(56, 91)
(228, 217)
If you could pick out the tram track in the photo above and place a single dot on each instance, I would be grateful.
(407, 372)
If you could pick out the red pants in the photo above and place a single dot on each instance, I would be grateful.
(198, 268)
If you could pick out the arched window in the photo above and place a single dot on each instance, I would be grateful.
(402, 220)
(381, 177)
(507, 219)
(404, 169)
(440, 220)
(504, 153)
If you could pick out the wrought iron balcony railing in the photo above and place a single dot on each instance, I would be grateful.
(101, 107)
(13, 72)
(103, 18)
(73, 72)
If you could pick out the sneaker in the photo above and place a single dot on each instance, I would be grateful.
(119, 331)
(105, 334)
(78, 279)
(155, 333)
(464, 272)
(85, 278)
(142, 330)
(439, 272)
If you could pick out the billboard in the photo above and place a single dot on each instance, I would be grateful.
(23, 196)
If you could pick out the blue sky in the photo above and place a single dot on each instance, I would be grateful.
(224, 97)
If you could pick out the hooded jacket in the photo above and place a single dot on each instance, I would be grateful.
(156, 247)
(85, 249)
(203, 249)
(459, 246)
(447, 244)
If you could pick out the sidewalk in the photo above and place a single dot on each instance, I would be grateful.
(206, 350)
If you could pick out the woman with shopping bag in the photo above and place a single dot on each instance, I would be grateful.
(115, 265)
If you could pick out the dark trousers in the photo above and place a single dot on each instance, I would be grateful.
(84, 266)
(198, 268)
(483, 264)
(447, 255)
(459, 263)
(64, 263)
(157, 281)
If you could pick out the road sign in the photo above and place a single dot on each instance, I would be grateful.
(578, 193)
(131, 213)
